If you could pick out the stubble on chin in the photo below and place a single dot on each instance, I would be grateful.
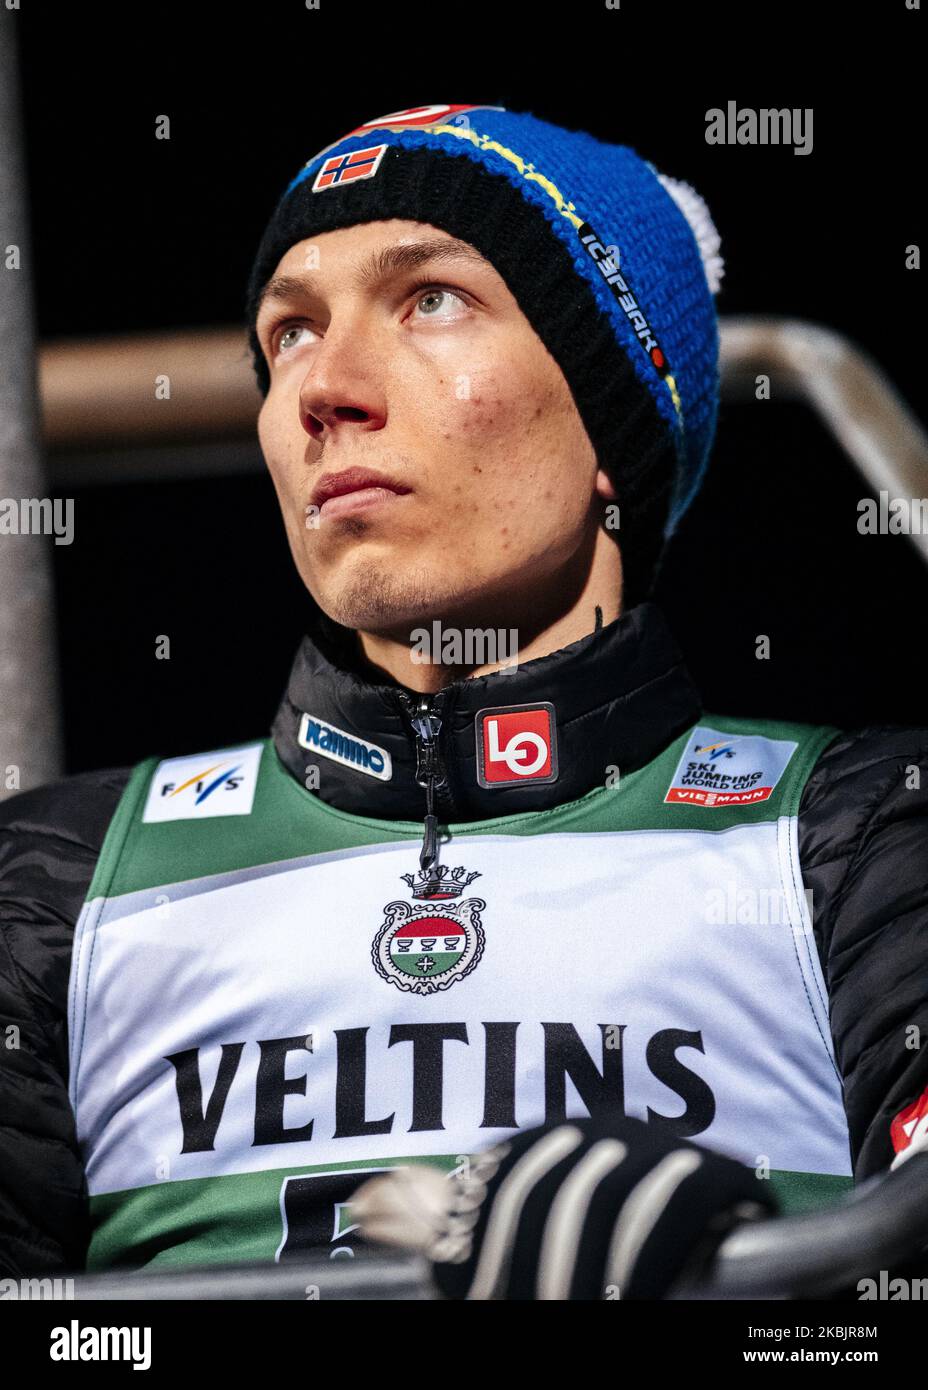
(377, 598)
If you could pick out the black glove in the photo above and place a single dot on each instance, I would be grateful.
(591, 1209)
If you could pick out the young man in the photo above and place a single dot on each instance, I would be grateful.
(525, 880)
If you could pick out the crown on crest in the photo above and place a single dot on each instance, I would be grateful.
(439, 882)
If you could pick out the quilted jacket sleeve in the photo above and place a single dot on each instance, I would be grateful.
(863, 845)
(50, 839)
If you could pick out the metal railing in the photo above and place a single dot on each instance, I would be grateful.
(880, 1225)
(104, 421)
(848, 391)
(101, 394)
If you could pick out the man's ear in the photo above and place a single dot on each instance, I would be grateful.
(604, 486)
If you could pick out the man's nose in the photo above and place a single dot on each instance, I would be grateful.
(343, 386)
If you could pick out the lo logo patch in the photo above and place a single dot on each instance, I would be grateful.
(516, 743)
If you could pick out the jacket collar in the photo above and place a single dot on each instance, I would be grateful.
(613, 699)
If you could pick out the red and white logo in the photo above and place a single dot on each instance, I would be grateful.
(412, 118)
(909, 1130)
(418, 115)
(516, 743)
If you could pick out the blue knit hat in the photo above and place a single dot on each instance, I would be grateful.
(614, 265)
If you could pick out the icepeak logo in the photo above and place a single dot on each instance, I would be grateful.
(624, 296)
(347, 749)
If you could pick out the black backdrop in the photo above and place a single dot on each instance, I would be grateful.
(133, 233)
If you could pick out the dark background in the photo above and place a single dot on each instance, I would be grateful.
(132, 233)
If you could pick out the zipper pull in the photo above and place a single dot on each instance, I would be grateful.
(426, 727)
(428, 855)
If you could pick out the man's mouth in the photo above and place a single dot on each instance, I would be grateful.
(361, 498)
(354, 489)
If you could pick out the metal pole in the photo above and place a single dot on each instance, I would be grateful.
(102, 391)
(853, 397)
(29, 730)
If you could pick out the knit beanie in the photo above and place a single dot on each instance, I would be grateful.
(613, 264)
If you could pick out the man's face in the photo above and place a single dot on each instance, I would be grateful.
(394, 347)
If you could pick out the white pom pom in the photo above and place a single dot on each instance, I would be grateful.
(423, 1209)
(408, 1207)
(697, 214)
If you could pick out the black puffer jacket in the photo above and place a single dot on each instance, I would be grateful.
(863, 843)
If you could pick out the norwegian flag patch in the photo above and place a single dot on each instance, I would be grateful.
(347, 168)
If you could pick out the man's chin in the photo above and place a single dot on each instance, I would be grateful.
(377, 600)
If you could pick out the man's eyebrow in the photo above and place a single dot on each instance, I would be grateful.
(405, 256)
(389, 260)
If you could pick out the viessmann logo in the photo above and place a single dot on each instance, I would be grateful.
(516, 743)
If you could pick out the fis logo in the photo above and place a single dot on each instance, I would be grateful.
(516, 743)
(711, 751)
(205, 785)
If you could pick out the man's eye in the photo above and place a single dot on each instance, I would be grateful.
(285, 338)
(437, 303)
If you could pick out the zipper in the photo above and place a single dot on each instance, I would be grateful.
(430, 770)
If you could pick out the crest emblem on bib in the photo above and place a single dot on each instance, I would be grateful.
(424, 949)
